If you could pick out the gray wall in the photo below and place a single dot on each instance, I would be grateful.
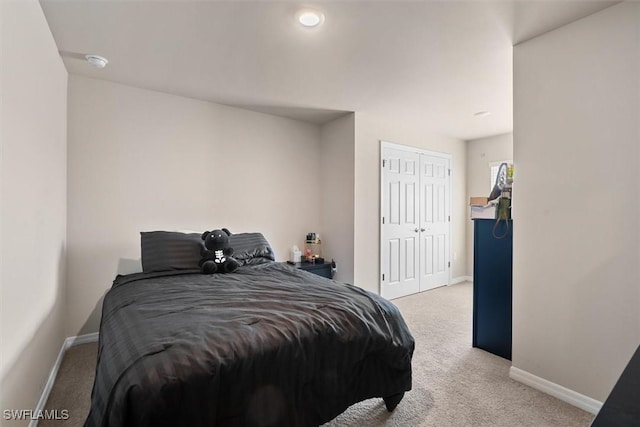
(33, 203)
(337, 189)
(143, 160)
(576, 284)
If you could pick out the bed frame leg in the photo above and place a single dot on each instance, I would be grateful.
(392, 401)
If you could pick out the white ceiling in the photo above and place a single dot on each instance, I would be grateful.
(435, 61)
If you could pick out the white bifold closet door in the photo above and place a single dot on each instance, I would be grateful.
(415, 221)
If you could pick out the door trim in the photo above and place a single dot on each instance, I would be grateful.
(448, 156)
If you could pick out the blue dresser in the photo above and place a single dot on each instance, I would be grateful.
(492, 276)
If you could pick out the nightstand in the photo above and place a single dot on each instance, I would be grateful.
(323, 269)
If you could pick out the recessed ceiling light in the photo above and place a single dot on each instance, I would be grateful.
(482, 113)
(310, 18)
(97, 61)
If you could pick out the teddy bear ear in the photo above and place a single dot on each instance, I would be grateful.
(204, 235)
(226, 230)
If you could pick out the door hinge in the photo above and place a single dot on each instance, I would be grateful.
(449, 218)
(383, 220)
(449, 172)
(383, 277)
(384, 162)
(449, 264)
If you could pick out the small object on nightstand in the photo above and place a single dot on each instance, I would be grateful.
(295, 255)
(313, 246)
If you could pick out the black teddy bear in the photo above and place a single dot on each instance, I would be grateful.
(216, 258)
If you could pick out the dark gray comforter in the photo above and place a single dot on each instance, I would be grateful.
(268, 345)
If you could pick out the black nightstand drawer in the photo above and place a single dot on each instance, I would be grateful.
(323, 270)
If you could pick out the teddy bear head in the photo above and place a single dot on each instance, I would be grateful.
(216, 239)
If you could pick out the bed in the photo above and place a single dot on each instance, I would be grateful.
(267, 345)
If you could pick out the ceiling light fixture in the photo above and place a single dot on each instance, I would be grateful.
(97, 61)
(482, 113)
(310, 18)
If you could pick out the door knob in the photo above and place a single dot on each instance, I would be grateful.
(422, 229)
(416, 230)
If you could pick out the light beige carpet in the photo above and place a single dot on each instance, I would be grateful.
(453, 384)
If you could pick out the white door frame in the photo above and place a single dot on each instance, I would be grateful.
(387, 144)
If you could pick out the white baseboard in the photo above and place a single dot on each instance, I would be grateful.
(460, 279)
(49, 384)
(68, 342)
(82, 339)
(572, 397)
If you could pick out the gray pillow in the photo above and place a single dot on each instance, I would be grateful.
(251, 248)
(170, 250)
